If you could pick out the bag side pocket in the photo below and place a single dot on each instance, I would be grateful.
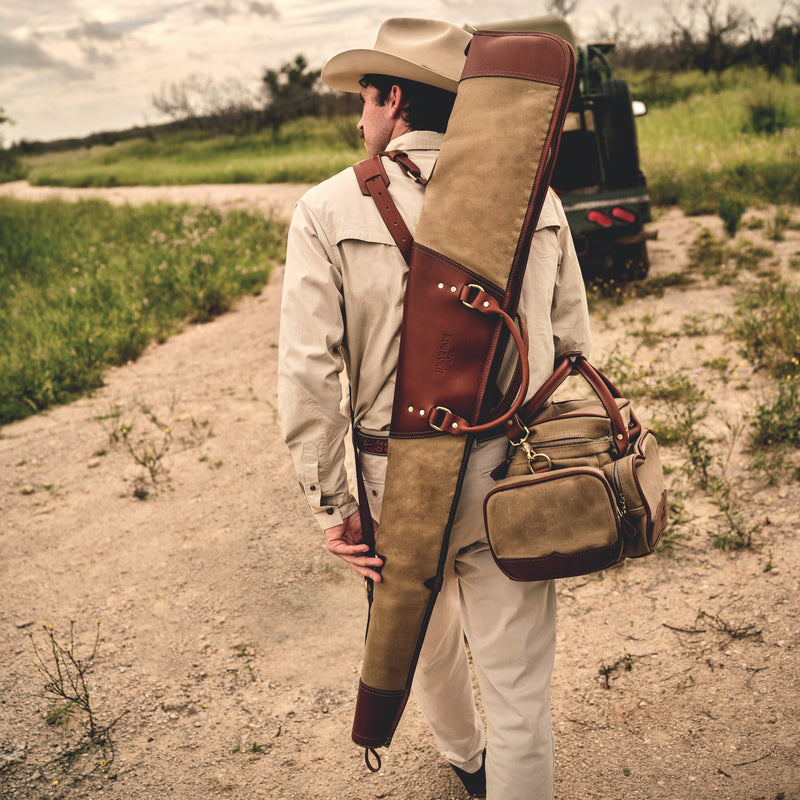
(639, 483)
(553, 524)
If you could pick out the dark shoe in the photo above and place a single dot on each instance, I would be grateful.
(474, 782)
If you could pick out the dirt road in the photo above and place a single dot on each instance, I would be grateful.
(231, 641)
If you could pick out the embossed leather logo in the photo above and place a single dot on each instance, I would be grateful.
(446, 355)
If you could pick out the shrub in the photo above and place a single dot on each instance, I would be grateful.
(768, 325)
(767, 111)
(731, 208)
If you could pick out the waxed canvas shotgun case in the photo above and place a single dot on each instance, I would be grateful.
(470, 252)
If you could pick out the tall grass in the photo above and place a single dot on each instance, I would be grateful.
(305, 150)
(87, 285)
(701, 149)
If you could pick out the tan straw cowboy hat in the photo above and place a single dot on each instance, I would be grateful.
(424, 50)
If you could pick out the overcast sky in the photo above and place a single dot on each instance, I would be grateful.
(74, 67)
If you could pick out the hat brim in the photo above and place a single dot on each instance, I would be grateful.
(345, 70)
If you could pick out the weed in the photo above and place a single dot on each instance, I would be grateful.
(146, 435)
(721, 365)
(770, 565)
(649, 336)
(146, 445)
(707, 253)
(625, 661)
(684, 407)
(677, 521)
(777, 419)
(247, 654)
(694, 325)
(731, 208)
(734, 631)
(779, 223)
(768, 325)
(732, 531)
(65, 676)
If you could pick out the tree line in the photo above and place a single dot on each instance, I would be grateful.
(707, 36)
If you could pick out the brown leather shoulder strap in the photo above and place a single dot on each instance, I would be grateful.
(373, 181)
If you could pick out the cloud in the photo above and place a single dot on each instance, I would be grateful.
(224, 9)
(29, 55)
(264, 9)
(94, 30)
(218, 10)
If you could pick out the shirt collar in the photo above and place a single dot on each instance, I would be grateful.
(417, 140)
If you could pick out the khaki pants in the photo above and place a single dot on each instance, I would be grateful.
(510, 628)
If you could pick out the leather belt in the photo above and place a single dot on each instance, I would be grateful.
(374, 445)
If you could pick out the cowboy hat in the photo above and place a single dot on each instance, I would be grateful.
(424, 50)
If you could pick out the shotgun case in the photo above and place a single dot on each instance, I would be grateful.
(466, 267)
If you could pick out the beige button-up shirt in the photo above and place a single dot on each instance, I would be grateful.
(342, 309)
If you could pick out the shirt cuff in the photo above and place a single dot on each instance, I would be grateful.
(331, 516)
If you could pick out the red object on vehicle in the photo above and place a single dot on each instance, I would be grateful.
(600, 219)
(624, 215)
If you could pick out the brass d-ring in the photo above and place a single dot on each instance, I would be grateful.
(478, 289)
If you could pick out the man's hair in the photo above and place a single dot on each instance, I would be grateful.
(428, 107)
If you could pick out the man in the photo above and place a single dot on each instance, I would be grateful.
(342, 310)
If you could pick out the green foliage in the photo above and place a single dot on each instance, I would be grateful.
(304, 150)
(11, 168)
(292, 92)
(731, 208)
(768, 325)
(87, 285)
(715, 259)
(699, 148)
(767, 110)
(776, 421)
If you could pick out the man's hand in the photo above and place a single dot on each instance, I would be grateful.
(346, 541)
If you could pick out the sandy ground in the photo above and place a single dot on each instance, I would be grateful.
(231, 641)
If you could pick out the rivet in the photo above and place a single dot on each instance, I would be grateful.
(486, 304)
(453, 289)
(441, 286)
(422, 412)
(454, 425)
(619, 436)
(411, 408)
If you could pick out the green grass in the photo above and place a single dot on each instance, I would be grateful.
(767, 325)
(303, 151)
(699, 150)
(87, 285)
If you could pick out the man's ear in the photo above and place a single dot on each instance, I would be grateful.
(396, 101)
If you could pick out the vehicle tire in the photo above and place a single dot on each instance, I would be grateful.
(630, 261)
(618, 133)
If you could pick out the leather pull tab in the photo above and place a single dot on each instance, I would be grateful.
(371, 751)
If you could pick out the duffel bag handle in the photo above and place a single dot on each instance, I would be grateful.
(571, 363)
(445, 420)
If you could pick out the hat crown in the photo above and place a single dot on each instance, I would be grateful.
(429, 43)
(428, 51)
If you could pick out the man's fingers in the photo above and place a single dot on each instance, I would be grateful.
(339, 547)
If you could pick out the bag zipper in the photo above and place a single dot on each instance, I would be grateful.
(622, 505)
(570, 441)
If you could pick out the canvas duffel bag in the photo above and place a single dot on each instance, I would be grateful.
(583, 486)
